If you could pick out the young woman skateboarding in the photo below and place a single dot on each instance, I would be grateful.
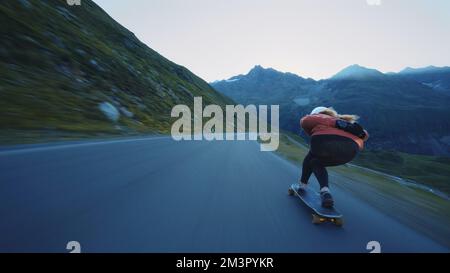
(335, 140)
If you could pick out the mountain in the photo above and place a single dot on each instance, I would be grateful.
(267, 82)
(357, 72)
(401, 113)
(437, 78)
(424, 70)
(72, 70)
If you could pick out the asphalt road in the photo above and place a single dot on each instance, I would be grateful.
(158, 195)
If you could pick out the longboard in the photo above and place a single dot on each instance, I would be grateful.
(313, 201)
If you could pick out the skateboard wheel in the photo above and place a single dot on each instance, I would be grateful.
(317, 219)
(290, 192)
(338, 222)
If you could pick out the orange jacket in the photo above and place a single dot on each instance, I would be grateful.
(321, 124)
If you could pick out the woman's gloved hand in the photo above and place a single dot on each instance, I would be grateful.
(352, 128)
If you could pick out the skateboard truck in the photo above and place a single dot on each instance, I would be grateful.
(320, 214)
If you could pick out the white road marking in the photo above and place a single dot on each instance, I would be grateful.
(75, 145)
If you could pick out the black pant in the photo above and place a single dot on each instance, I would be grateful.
(327, 151)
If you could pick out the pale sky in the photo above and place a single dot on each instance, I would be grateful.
(217, 39)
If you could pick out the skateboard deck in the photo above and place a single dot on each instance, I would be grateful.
(313, 201)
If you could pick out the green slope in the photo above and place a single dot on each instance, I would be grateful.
(432, 171)
(58, 63)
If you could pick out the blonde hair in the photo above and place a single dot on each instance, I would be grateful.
(331, 112)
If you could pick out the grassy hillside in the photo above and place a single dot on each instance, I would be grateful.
(58, 63)
(428, 170)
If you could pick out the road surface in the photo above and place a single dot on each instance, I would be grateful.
(158, 195)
